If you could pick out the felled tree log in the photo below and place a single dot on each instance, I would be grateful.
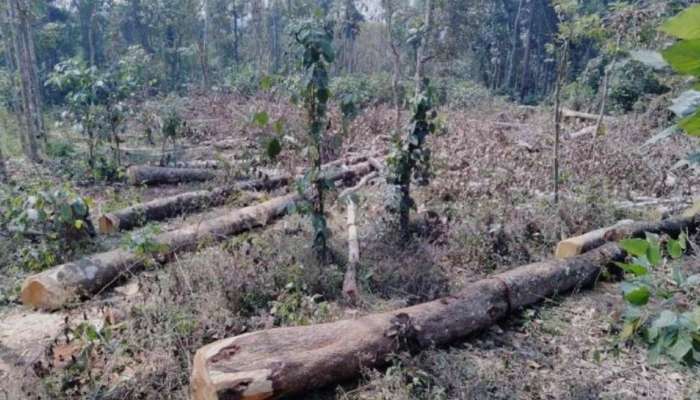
(284, 361)
(149, 175)
(207, 164)
(581, 244)
(62, 284)
(567, 113)
(172, 206)
(626, 229)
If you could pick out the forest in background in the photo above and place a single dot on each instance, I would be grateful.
(349, 200)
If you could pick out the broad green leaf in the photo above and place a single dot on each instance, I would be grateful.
(666, 319)
(691, 124)
(685, 25)
(261, 119)
(79, 224)
(684, 57)
(674, 248)
(683, 345)
(635, 269)
(628, 329)
(635, 247)
(654, 250)
(638, 296)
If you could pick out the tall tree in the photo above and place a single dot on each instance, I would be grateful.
(31, 119)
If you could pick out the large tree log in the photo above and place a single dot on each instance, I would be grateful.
(567, 113)
(283, 361)
(172, 206)
(149, 175)
(62, 284)
(624, 229)
(278, 362)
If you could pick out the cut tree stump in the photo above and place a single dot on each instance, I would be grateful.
(150, 175)
(278, 362)
(172, 206)
(68, 282)
(285, 361)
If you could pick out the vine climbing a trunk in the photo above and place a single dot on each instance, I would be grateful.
(317, 41)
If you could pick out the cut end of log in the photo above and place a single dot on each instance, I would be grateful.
(107, 224)
(36, 294)
(568, 248)
(580, 244)
(208, 383)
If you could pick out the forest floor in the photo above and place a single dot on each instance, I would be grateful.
(488, 208)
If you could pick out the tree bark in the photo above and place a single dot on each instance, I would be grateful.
(350, 289)
(170, 207)
(3, 169)
(60, 285)
(149, 175)
(30, 103)
(274, 363)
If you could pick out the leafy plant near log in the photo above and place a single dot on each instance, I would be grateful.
(317, 41)
(662, 302)
(48, 225)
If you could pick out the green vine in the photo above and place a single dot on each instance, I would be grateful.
(410, 159)
(317, 42)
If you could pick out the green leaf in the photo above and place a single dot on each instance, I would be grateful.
(79, 224)
(691, 124)
(683, 345)
(654, 250)
(634, 269)
(685, 25)
(674, 248)
(261, 119)
(684, 57)
(635, 247)
(638, 296)
(666, 319)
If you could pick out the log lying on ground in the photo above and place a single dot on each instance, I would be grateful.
(62, 284)
(206, 164)
(172, 206)
(149, 175)
(624, 229)
(580, 244)
(284, 361)
(567, 113)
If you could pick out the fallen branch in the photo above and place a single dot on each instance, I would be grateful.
(62, 284)
(172, 206)
(587, 131)
(285, 361)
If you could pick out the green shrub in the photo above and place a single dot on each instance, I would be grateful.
(48, 225)
(630, 82)
(363, 90)
(244, 80)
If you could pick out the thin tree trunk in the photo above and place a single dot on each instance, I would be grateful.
(603, 101)
(513, 47)
(19, 16)
(557, 117)
(3, 169)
